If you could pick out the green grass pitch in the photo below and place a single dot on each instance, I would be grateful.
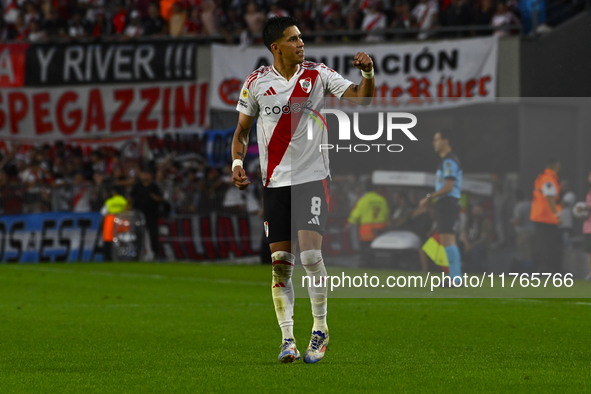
(187, 328)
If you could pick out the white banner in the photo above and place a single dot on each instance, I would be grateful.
(409, 77)
(106, 112)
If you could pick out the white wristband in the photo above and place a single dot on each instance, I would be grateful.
(236, 163)
(367, 75)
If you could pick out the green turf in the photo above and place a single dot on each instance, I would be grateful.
(168, 328)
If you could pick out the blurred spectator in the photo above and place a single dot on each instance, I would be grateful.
(503, 17)
(425, 13)
(354, 19)
(587, 225)
(10, 197)
(54, 26)
(458, 13)
(78, 27)
(210, 18)
(335, 22)
(119, 19)
(545, 213)
(177, 20)
(371, 213)
(35, 33)
(276, 10)
(146, 197)
(134, 29)
(566, 217)
(11, 11)
(373, 20)
(211, 192)
(403, 18)
(232, 25)
(403, 212)
(18, 31)
(166, 8)
(476, 239)
(483, 16)
(193, 25)
(254, 18)
(501, 207)
(154, 24)
(102, 28)
(30, 13)
(81, 193)
(305, 23)
(524, 229)
(532, 11)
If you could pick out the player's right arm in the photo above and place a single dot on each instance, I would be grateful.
(239, 148)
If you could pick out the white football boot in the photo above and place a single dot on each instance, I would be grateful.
(317, 347)
(289, 351)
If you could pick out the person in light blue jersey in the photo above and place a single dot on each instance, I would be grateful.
(447, 194)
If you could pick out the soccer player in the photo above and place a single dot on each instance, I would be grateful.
(295, 171)
(447, 201)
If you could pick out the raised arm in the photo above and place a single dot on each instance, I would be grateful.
(362, 94)
(239, 147)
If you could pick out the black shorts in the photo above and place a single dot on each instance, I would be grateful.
(289, 209)
(447, 215)
(587, 243)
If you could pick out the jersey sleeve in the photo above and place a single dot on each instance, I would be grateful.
(335, 83)
(450, 169)
(549, 189)
(247, 103)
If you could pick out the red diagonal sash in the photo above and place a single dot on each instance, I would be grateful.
(287, 124)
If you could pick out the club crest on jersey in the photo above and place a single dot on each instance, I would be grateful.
(267, 229)
(306, 84)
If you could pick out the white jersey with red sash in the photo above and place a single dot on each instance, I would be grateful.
(288, 157)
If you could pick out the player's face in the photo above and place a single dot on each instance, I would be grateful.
(291, 45)
(438, 143)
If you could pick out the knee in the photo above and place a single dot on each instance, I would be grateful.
(283, 263)
(312, 260)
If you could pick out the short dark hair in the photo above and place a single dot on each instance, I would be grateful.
(274, 28)
(445, 134)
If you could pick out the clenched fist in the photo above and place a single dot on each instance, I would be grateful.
(363, 62)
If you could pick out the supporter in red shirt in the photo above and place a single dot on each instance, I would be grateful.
(119, 19)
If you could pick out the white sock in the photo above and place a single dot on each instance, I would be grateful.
(282, 290)
(287, 331)
(317, 289)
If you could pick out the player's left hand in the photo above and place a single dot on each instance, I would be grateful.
(363, 62)
(424, 202)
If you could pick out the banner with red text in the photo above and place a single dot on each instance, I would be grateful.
(104, 112)
(100, 91)
(426, 75)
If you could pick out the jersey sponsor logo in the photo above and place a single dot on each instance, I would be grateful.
(244, 93)
(306, 84)
(270, 92)
(314, 220)
(242, 103)
(287, 108)
(267, 229)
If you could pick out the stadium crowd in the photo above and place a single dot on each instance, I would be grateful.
(242, 20)
(63, 177)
